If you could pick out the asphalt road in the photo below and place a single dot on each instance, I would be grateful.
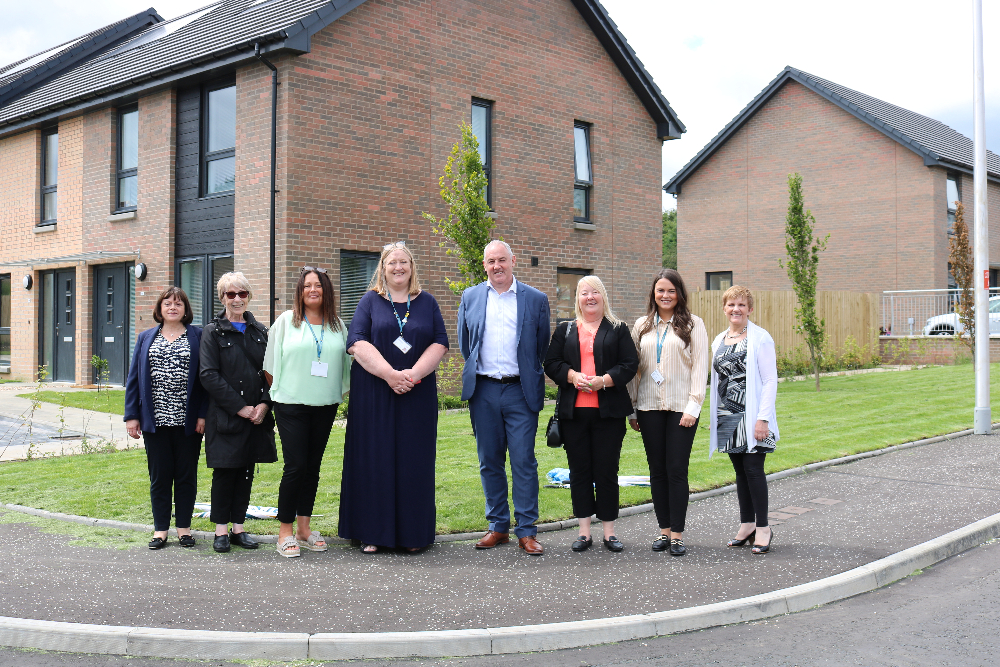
(947, 615)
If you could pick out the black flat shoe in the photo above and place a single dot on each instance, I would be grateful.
(243, 540)
(763, 549)
(221, 543)
(742, 543)
(582, 543)
(661, 543)
(157, 543)
(185, 541)
(677, 548)
(613, 544)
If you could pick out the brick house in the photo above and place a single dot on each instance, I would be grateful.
(881, 180)
(138, 157)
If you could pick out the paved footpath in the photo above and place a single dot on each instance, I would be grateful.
(832, 520)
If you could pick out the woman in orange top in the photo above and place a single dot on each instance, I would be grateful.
(592, 359)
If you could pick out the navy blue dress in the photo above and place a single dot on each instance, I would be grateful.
(387, 490)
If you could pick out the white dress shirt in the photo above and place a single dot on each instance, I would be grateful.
(498, 351)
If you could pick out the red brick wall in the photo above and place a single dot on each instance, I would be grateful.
(373, 111)
(884, 210)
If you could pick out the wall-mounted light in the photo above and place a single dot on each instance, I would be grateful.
(141, 271)
(27, 281)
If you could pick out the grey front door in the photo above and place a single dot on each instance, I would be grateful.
(63, 314)
(111, 307)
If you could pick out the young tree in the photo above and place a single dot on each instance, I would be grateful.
(802, 263)
(670, 239)
(466, 228)
(961, 264)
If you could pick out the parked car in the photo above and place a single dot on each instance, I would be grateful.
(948, 324)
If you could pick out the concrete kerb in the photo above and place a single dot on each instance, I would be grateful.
(51, 635)
(542, 528)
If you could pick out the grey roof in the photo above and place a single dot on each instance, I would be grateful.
(937, 143)
(222, 35)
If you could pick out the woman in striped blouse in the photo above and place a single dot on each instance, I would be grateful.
(667, 394)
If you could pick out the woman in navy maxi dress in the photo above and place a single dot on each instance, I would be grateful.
(387, 490)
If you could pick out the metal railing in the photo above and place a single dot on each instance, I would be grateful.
(906, 312)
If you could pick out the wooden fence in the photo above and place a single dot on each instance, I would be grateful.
(846, 313)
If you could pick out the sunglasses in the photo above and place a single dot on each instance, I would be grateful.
(309, 269)
(242, 294)
(397, 244)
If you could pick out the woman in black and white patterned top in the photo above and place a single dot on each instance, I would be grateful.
(166, 405)
(744, 425)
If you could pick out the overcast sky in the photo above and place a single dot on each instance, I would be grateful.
(709, 58)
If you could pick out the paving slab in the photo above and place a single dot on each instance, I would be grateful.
(886, 504)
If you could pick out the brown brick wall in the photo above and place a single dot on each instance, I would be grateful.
(884, 209)
(374, 109)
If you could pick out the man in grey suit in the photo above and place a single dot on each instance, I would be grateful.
(503, 332)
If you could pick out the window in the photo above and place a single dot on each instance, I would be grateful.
(219, 140)
(953, 196)
(584, 177)
(5, 320)
(50, 177)
(719, 280)
(356, 270)
(566, 280)
(482, 127)
(128, 160)
(199, 283)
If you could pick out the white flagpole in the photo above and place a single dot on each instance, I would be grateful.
(981, 416)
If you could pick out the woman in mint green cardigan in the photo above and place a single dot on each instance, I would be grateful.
(309, 370)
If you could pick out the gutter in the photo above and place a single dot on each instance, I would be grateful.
(274, 143)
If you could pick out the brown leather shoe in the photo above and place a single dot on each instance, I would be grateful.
(492, 539)
(530, 545)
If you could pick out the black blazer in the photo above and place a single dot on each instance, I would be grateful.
(232, 375)
(614, 354)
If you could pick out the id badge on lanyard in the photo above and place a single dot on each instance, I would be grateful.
(319, 369)
(400, 342)
(656, 375)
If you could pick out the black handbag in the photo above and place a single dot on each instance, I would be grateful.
(553, 438)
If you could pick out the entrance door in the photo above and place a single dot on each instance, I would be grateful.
(57, 320)
(111, 307)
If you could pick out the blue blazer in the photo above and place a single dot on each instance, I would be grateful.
(532, 339)
(139, 385)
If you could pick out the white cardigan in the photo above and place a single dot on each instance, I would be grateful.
(762, 386)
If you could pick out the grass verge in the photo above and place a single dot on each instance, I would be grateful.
(850, 415)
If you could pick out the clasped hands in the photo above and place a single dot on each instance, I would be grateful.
(254, 414)
(586, 383)
(402, 381)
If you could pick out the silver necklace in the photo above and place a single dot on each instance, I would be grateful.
(729, 335)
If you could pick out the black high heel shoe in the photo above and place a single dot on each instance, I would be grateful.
(742, 543)
(763, 549)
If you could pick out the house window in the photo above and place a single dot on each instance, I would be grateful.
(50, 177)
(482, 127)
(198, 276)
(5, 320)
(566, 280)
(128, 160)
(356, 271)
(219, 140)
(954, 196)
(584, 178)
(719, 280)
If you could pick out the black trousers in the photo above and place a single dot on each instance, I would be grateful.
(172, 459)
(668, 450)
(751, 487)
(231, 494)
(304, 431)
(593, 449)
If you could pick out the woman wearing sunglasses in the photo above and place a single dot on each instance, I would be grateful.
(239, 431)
(309, 371)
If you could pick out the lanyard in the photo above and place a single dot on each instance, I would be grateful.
(322, 332)
(401, 323)
(659, 339)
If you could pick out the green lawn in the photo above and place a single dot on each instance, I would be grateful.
(852, 414)
(111, 400)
